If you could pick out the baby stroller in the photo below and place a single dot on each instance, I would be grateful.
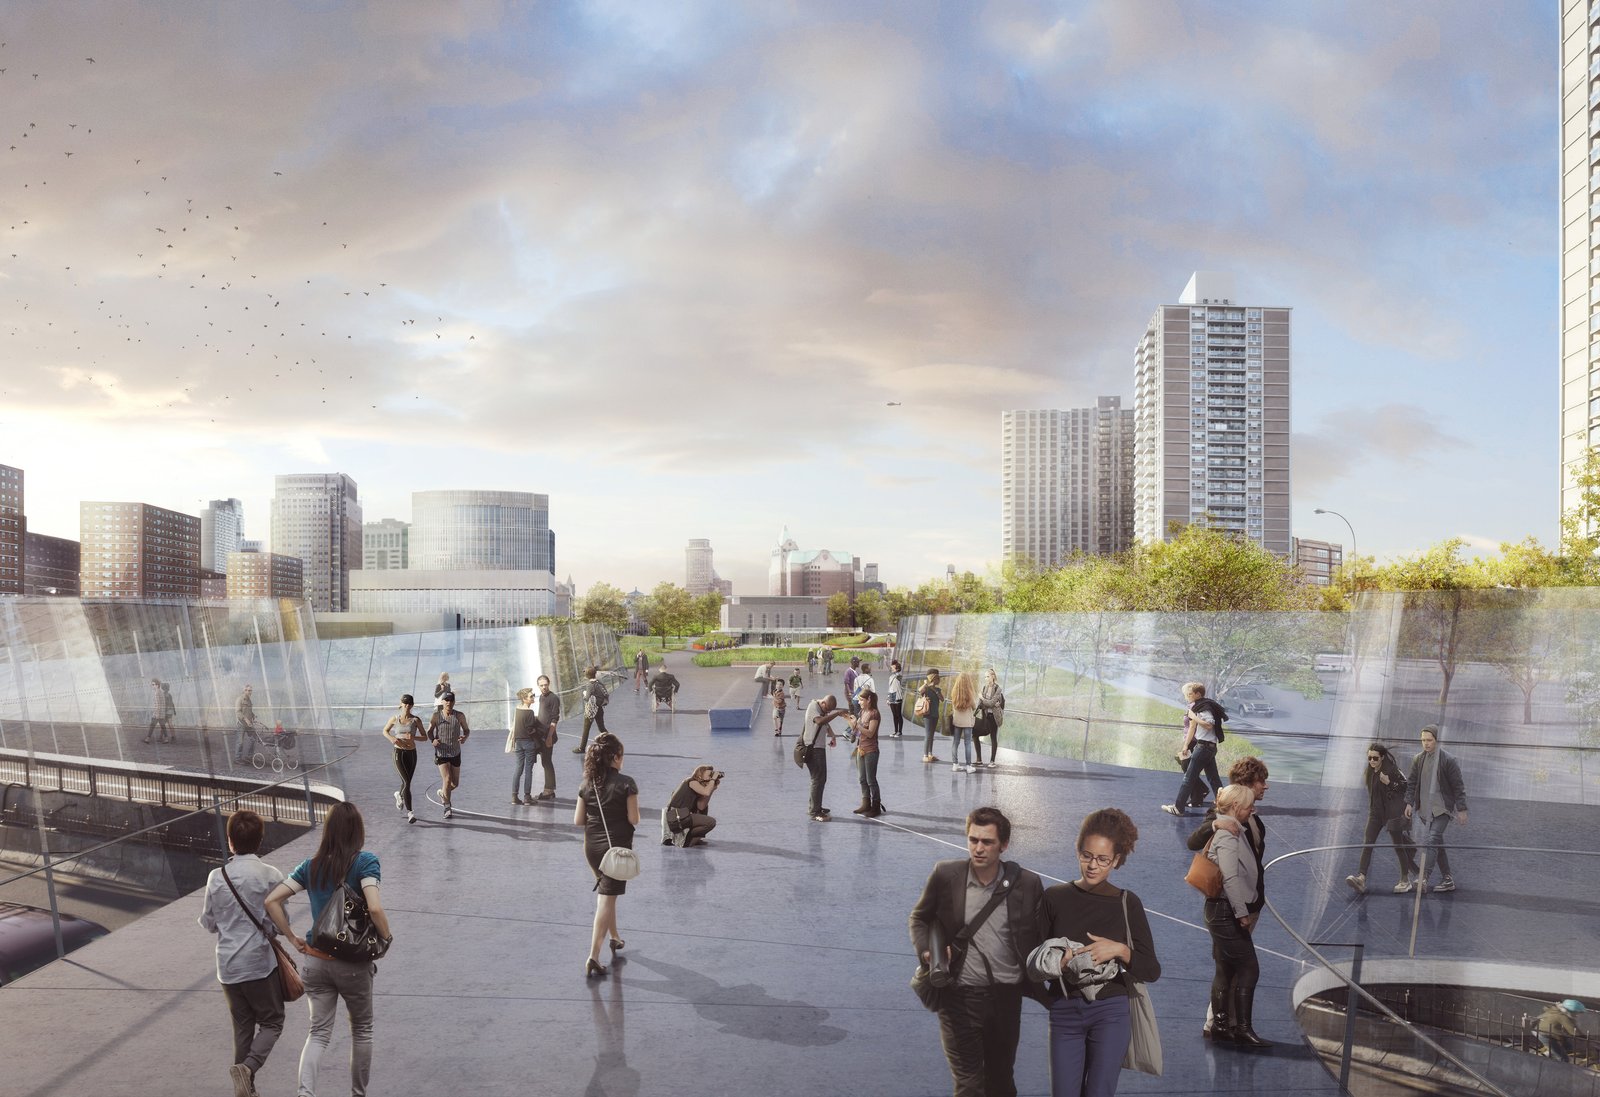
(276, 748)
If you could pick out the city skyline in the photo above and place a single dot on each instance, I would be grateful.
(679, 263)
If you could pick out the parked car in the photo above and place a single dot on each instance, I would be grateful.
(1247, 701)
(28, 940)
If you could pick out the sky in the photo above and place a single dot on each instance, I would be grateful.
(671, 263)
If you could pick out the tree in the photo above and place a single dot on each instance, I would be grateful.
(708, 611)
(603, 606)
(1431, 620)
(838, 610)
(871, 611)
(667, 610)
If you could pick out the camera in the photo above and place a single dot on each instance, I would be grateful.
(719, 775)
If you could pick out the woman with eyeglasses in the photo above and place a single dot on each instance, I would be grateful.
(1386, 810)
(1098, 941)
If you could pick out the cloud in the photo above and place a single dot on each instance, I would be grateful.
(1347, 443)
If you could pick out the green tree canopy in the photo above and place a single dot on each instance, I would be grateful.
(602, 605)
(668, 610)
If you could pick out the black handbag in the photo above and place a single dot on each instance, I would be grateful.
(344, 929)
(929, 983)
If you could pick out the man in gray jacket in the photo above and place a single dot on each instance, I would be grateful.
(1435, 793)
(981, 1018)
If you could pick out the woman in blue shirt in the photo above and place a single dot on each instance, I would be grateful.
(339, 860)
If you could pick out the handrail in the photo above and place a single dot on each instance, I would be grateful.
(1352, 985)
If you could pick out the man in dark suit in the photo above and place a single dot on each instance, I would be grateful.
(982, 1016)
(1435, 793)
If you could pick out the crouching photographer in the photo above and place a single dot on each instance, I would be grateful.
(685, 820)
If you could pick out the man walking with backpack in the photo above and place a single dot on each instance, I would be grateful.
(595, 696)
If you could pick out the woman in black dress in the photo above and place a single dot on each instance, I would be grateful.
(608, 801)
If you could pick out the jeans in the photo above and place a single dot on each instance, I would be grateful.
(817, 763)
(979, 1027)
(405, 764)
(256, 1007)
(522, 776)
(1202, 760)
(867, 769)
(1087, 1043)
(1399, 834)
(895, 710)
(1233, 950)
(326, 982)
(1435, 845)
(961, 735)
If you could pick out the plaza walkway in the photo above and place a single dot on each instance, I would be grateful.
(772, 961)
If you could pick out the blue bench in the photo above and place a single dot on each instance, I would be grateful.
(737, 708)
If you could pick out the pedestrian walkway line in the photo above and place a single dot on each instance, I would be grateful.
(1057, 880)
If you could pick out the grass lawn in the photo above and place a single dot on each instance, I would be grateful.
(651, 645)
(726, 657)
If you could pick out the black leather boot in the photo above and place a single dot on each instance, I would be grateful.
(1243, 1005)
(1216, 1026)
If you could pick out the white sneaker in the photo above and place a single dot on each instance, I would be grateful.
(971, 768)
(1358, 881)
(955, 768)
(242, 1085)
(411, 817)
(1403, 886)
(399, 804)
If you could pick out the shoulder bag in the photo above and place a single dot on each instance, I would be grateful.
(288, 973)
(920, 709)
(619, 862)
(344, 929)
(1204, 875)
(929, 983)
(1144, 1042)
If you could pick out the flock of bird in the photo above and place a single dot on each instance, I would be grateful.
(198, 285)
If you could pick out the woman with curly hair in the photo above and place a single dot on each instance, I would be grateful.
(1098, 940)
(608, 810)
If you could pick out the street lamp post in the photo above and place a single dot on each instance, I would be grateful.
(1347, 525)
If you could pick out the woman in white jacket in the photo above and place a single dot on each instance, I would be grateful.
(1231, 919)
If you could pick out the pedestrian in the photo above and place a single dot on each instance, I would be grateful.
(852, 672)
(1203, 734)
(546, 715)
(247, 966)
(244, 714)
(1556, 1029)
(641, 667)
(686, 820)
(170, 708)
(929, 700)
(820, 715)
(1435, 793)
(998, 905)
(780, 705)
(991, 714)
(339, 860)
(1231, 919)
(795, 682)
(525, 739)
(441, 688)
(664, 690)
(811, 660)
(1386, 810)
(608, 810)
(595, 697)
(1252, 773)
(963, 717)
(403, 729)
(1098, 937)
(866, 728)
(447, 731)
(159, 716)
(896, 698)
(827, 660)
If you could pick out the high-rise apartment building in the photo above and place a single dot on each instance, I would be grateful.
(1066, 482)
(317, 517)
(135, 550)
(481, 531)
(13, 531)
(1317, 560)
(1580, 239)
(51, 566)
(386, 545)
(221, 532)
(265, 575)
(1211, 417)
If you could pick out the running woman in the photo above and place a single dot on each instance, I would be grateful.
(448, 730)
(403, 730)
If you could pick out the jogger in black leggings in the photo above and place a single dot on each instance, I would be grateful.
(402, 730)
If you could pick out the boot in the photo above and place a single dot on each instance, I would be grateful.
(1216, 1026)
(1243, 1005)
(866, 806)
(878, 808)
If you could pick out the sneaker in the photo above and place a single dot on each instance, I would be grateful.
(577, 750)
(242, 1085)
(1174, 809)
(956, 768)
(1446, 883)
(449, 812)
(515, 799)
(971, 768)
(547, 794)
(992, 765)
(1403, 886)
(819, 818)
(411, 817)
(399, 803)
(1358, 881)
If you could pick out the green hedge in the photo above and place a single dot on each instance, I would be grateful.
(726, 657)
